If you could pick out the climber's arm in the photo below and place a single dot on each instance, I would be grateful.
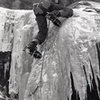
(55, 6)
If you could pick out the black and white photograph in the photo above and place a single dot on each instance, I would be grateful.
(49, 49)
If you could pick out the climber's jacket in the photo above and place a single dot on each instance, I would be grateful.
(41, 11)
(48, 6)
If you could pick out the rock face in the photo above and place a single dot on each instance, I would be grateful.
(70, 66)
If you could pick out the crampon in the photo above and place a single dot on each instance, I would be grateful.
(36, 54)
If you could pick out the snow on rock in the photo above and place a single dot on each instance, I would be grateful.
(70, 66)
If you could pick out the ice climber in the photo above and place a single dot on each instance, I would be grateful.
(41, 9)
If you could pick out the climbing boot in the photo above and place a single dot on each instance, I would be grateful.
(37, 54)
(32, 46)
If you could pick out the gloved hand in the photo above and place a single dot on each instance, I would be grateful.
(37, 9)
(35, 4)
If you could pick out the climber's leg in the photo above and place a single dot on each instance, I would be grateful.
(41, 36)
(42, 25)
(65, 13)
